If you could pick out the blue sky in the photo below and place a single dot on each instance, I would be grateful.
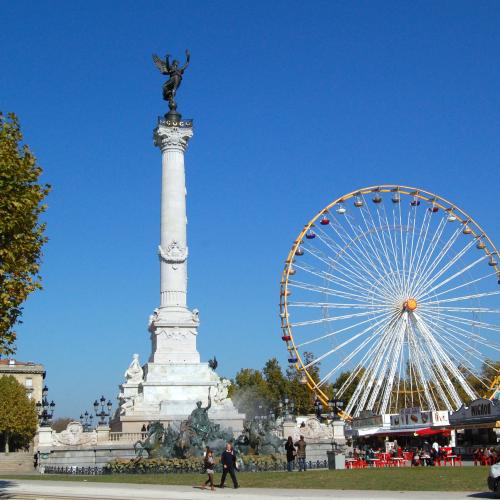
(295, 103)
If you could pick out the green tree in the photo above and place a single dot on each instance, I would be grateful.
(21, 233)
(276, 383)
(18, 417)
(250, 392)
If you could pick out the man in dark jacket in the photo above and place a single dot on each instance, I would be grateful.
(228, 459)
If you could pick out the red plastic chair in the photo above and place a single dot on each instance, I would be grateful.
(458, 460)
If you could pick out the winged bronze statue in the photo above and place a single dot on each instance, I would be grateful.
(175, 73)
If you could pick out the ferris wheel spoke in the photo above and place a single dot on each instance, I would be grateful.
(419, 246)
(461, 309)
(379, 372)
(422, 366)
(466, 334)
(412, 222)
(394, 248)
(372, 242)
(445, 268)
(456, 343)
(357, 258)
(330, 319)
(364, 368)
(362, 254)
(337, 265)
(443, 356)
(380, 255)
(463, 297)
(421, 270)
(404, 247)
(342, 330)
(389, 257)
(349, 357)
(333, 279)
(326, 290)
(339, 346)
(339, 305)
(394, 365)
(460, 347)
(455, 276)
(360, 366)
(363, 389)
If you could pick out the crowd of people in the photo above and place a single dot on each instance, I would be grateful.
(486, 456)
(424, 455)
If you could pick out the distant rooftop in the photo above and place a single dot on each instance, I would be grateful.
(14, 365)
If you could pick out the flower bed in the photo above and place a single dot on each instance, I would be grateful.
(250, 463)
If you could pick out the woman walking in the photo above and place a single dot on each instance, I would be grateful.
(209, 464)
(290, 454)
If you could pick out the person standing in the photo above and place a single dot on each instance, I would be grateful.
(290, 454)
(301, 453)
(228, 459)
(209, 464)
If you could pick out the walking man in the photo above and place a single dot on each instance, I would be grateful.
(228, 459)
(301, 453)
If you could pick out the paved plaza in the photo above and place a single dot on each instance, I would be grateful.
(57, 490)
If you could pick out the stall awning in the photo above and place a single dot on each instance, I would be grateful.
(429, 431)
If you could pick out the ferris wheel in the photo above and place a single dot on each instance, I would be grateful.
(395, 289)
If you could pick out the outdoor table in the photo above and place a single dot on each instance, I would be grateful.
(350, 460)
(372, 461)
(398, 461)
(452, 459)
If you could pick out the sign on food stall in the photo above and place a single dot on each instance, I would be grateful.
(411, 417)
(479, 411)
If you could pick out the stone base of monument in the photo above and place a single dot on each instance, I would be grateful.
(169, 393)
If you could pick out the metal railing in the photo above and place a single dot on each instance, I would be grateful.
(249, 467)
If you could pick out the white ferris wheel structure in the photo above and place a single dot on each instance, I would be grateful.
(396, 288)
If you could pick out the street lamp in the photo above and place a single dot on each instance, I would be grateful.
(335, 404)
(44, 409)
(86, 421)
(318, 408)
(102, 414)
(287, 408)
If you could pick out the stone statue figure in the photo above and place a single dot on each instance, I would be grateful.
(134, 373)
(175, 72)
(199, 421)
(222, 390)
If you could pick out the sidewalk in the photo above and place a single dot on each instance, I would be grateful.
(48, 490)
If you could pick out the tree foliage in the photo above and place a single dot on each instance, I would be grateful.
(21, 233)
(261, 391)
(18, 417)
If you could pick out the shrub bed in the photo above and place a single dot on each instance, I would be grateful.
(183, 465)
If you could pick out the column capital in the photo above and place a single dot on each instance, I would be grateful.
(173, 137)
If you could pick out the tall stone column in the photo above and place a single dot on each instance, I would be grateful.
(173, 326)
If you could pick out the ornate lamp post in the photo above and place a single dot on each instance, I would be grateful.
(86, 420)
(335, 405)
(102, 414)
(45, 409)
(318, 409)
(287, 408)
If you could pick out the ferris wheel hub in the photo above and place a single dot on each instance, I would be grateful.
(410, 305)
